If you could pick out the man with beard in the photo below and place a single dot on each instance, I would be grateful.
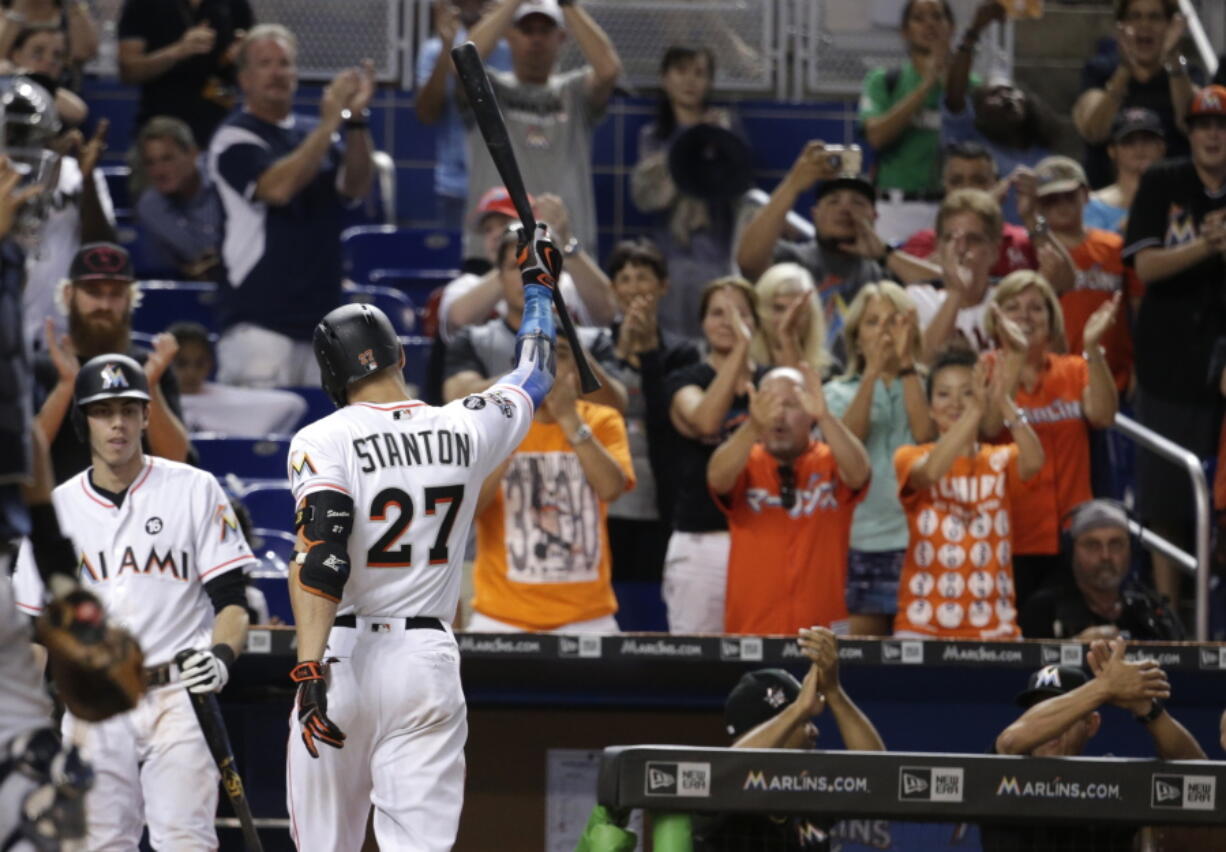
(98, 297)
(1099, 601)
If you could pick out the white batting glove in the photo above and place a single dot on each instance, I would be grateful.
(203, 672)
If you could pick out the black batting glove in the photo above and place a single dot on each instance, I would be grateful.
(540, 261)
(313, 708)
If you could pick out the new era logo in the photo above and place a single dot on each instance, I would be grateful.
(907, 652)
(930, 783)
(1213, 658)
(1184, 792)
(678, 779)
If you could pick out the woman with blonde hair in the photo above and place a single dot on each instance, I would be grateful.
(881, 399)
(793, 325)
(1062, 396)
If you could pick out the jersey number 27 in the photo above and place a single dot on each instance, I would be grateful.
(384, 553)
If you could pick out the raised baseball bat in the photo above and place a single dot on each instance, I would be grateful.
(471, 71)
(208, 714)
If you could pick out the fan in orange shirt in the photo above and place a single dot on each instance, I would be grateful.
(1098, 270)
(1062, 396)
(543, 559)
(957, 580)
(789, 501)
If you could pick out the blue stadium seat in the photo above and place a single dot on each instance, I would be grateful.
(417, 284)
(274, 548)
(416, 362)
(246, 458)
(398, 307)
(166, 302)
(318, 403)
(117, 185)
(370, 247)
(270, 503)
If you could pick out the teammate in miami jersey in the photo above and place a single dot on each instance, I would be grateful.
(157, 542)
(386, 489)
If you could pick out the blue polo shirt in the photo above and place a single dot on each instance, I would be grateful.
(281, 264)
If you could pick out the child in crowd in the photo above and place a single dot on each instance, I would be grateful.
(957, 579)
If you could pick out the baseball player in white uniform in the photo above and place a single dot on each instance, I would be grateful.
(386, 488)
(158, 543)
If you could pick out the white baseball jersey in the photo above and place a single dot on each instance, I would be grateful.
(24, 705)
(147, 560)
(414, 472)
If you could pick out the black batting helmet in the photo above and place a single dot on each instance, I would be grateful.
(111, 376)
(352, 342)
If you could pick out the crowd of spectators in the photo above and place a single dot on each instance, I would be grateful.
(894, 425)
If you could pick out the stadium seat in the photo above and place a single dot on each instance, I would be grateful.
(370, 247)
(416, 362)
(417, 284)
(274, 548)
(318, 403)
(117, 178)
(398, 307)
(270, 503)
(166, 302)
(246, 458)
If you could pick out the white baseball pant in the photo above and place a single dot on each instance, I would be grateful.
(396, 695)
(151, 765)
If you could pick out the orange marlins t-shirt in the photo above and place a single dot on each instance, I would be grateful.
(1053, 409)
(543, 556)
(957, 577)
(788, 569)
(1100, 273)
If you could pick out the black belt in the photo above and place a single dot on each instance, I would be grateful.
(159, 675)
(416, 622)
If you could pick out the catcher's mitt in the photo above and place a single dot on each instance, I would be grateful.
(97, 668)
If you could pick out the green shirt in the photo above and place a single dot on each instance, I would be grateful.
(912, 162)
(879, 523)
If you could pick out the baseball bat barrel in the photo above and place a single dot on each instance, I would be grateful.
(208, 714)
(471, 71)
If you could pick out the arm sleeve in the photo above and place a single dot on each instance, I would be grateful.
(228, 588)
(241, 15)
(220, 546)
(131, 18)
(1147, 218)
(241, 164)
(959, 126)
(462, 356)
(170, 390)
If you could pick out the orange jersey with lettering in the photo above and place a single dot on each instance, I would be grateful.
(1054, 410)
(787, 569)
(1100, 274)
(957, 578)
(542, 545)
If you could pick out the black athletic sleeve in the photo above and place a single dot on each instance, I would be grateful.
(230, 589)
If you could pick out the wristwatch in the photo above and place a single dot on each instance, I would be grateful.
(355, 121)
(1177, 66)
(583, 433)
(572, 247)
(1156, 709)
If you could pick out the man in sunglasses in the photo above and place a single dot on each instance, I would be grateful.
(789, 500)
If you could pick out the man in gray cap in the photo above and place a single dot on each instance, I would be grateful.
(1062, 716)
(1099, 601)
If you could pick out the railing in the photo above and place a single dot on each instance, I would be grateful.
(1198, 565)
(1208, 56)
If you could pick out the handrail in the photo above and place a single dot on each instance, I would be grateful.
(1199, 564)
(1208, 57)
(795, 221)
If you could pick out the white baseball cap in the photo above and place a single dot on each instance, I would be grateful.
(549, 8)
